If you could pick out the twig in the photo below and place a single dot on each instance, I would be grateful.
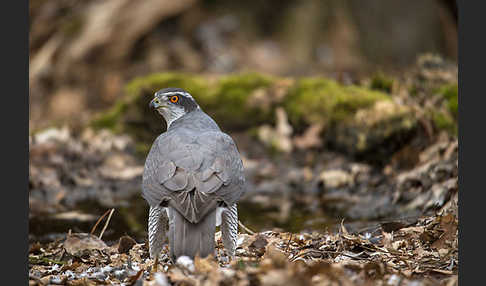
(374, 227)
(99, 220)
(245, 228)
(328, 252)
(448, 272)
(106, 224)
(133, 280)
(393, 252)
(36, 260)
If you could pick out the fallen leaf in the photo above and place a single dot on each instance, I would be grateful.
(205, 265)
(258, 245)
(125, 244)
(278, 258)
(449, 226)
(76, 243)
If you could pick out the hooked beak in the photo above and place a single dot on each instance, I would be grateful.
(155, 104)
(152, 104)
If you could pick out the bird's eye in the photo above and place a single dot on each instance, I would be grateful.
(174, 99)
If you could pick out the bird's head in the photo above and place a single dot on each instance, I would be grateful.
(173, 103)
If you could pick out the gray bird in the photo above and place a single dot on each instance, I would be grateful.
(192, 180)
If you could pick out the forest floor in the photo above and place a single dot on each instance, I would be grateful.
(339, 223)
(425, 253)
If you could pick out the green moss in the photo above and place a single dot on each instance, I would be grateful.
(443, 121)
(321, 100)
(230, 91)
(382, 82)
(225, 99)
(446, 119)
(450, 93)
(244, 101)
(231, 100)
(413, 90)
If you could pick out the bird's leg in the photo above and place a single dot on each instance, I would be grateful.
(157, 227)
(229, 229)
(156, 263)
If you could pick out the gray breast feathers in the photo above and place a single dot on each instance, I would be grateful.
(193, 172)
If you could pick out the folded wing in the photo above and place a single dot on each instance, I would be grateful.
(193, 173)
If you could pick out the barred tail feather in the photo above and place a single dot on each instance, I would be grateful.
(190, 239)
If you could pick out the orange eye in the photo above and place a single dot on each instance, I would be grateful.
(174, 99)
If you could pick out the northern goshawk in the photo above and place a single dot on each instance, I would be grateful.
(192, 179)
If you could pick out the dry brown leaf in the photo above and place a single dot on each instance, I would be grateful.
(258, 245)
(278, 258)
(125, 244)
(179, 278)
(81, 282)
(448, 225)
(78, 242)
(205, 265)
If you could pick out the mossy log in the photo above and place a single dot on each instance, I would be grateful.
(446, 118)
(357, 119)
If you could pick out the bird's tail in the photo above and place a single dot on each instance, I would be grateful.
(186, 238)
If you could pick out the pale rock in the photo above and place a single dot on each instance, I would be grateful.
(335, 179)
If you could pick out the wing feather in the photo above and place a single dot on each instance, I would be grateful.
(178, 181)
(193, 172)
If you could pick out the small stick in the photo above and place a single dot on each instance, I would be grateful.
(133, 279)
(245, 228)
(99, 220)
(326, 251)
(106, 224)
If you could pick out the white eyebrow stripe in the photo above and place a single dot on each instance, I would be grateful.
(177, 92)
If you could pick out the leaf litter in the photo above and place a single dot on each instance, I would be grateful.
(424, 253)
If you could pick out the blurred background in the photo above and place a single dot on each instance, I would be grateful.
(83, 52)
(342, 109)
